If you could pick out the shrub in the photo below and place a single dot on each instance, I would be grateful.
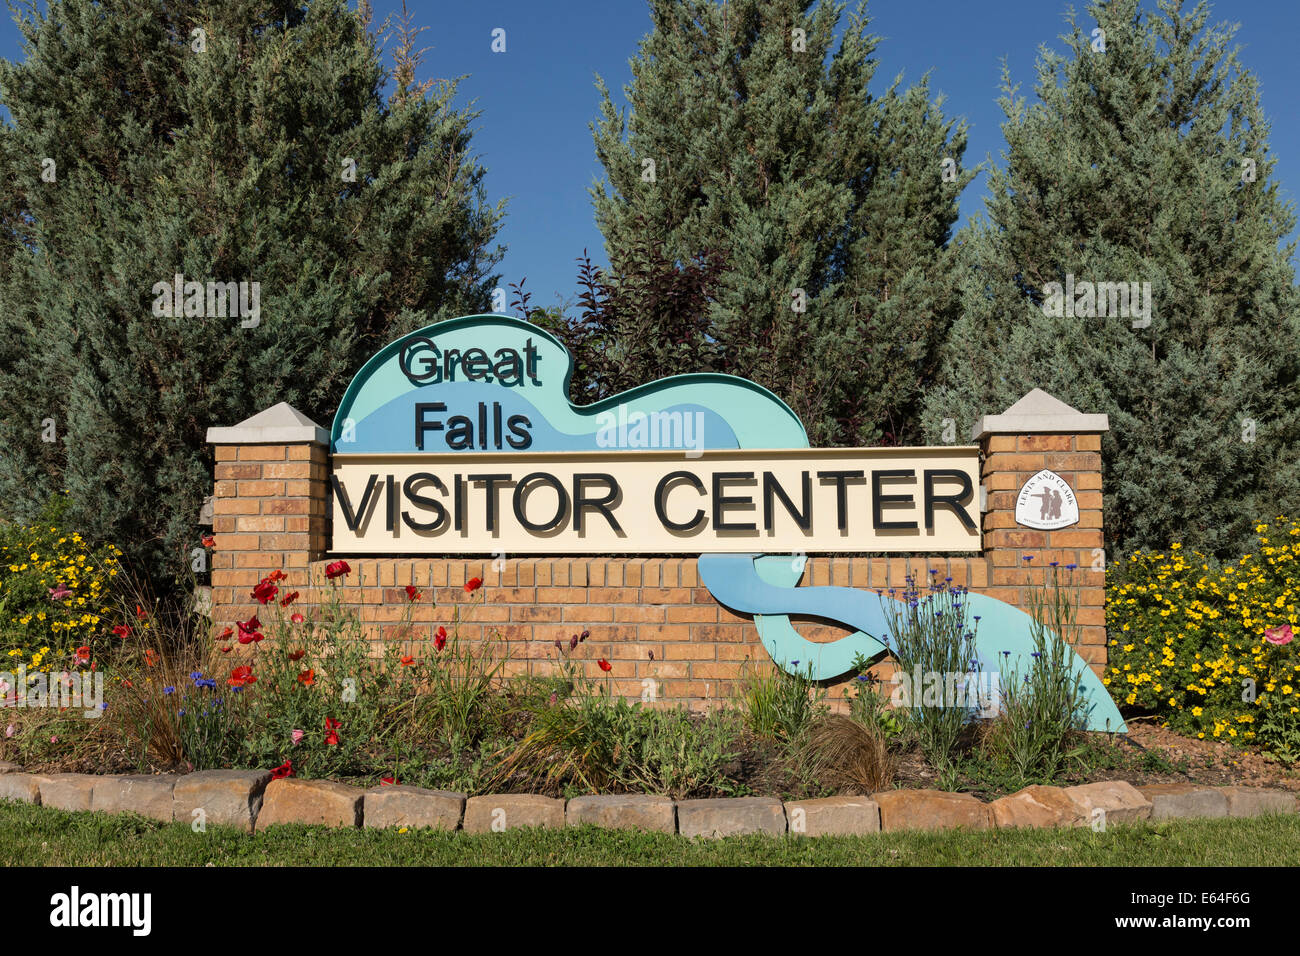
(582, 739)
(778, 704)
(1211, 650)
(848, 755)
(930, 637)
(55, 590)
(1041, 711)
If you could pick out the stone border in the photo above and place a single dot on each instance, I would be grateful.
(251, 800)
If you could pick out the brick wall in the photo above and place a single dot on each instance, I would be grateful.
(270, 512)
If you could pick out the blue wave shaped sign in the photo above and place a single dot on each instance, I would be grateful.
(461, 438)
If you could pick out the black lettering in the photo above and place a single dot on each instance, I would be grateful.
(477, 365)
(350, 517)
(458, 504)
(841, 479)
(878, 500)
(562, 505)
(955, 500)
(394, 502)
(518, 425)
(531, 351)
(405, 357)
(509, 368)
(496, 425)
(771, 487)
(422, 426)
(581, 502)
(722, 502)
(460, 432)
(489, 486)
(661, 495)
(424, 501)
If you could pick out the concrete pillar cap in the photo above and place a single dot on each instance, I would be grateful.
(280, 424)
(1039, 413)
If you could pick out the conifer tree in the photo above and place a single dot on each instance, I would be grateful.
(1144, 159)
(754, 145)
(246, 141)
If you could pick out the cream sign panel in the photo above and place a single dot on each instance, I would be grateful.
(658, 502)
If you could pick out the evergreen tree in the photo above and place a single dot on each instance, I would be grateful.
(752, 145)
(1144, 160)
(247, 141)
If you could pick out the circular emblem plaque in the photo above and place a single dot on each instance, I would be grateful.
(1046, 502)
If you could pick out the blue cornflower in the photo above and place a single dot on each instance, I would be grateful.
(1006, 653)
(977, 617)
(1036, 654)
(1054, 563)
(181, 712)
(863, 677)
(1070, 567)
(195, 675)
(169, 691)
(1027, 557)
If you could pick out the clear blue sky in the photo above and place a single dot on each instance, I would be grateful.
(538, 97)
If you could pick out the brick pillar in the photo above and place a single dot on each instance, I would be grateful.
(1041, 432)
(269, 510)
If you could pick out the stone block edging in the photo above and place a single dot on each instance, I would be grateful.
(250, 800)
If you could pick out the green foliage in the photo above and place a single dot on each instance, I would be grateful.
(932, 640)
(776, 170)
(1042, 712)
(1131, 166)
(590, 742)
(779, 704)
(221, 165)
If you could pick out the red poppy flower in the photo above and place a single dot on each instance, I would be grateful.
(265, 591)
(208, 541)
(337, 569)
(408, 661)
(388, 780)
(227, 649)
(241, 676)
(150, 656)
(412, 594)
(284, 770)
(288, 599)
(473, 584)
(331, 731)
(605, 665)
(227, 634)
(121, 631)
(440, 639)
(277, 575)
(296, 655)
(248, 630)
(140, 613)
(307, 677)
(297, 618)
(83, 654)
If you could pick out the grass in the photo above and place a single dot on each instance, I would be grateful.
(39, 836)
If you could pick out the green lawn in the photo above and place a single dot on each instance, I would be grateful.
(36, 836)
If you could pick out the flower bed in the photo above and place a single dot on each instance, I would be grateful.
(1211, 651)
